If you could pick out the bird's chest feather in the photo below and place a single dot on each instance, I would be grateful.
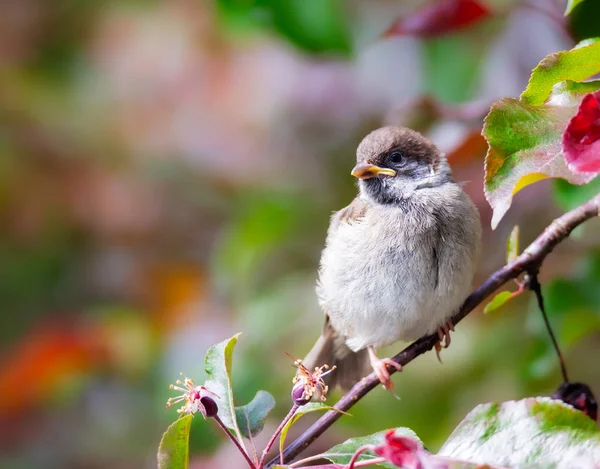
(379, 275)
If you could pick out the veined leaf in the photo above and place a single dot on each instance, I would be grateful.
(576, 64)
(525, 144)
(173, 451)
(251, 417)
(533, 432)
(217, 365)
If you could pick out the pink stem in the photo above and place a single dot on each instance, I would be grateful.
(276, 434)
(235, 442)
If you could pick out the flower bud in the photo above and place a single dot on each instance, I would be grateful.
(210, 407)
(299, 396)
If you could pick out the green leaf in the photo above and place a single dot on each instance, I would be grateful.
(512, 245)
(305, 409)
(217, 365)
(173, 449)
(576, 65)
(342, 453)
(571, 4)
(537, 432)
(568, 196)
(525, 144)
(497, 301)
(251, 418)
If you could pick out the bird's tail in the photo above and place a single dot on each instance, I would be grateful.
(331, 349)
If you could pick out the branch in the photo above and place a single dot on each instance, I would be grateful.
(529, 260)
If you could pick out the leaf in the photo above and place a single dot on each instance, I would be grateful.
(569, 196)
(525, 144)
(571, 4)
(217, 365)
(576, 65)
(251, 417)
(512, 245)
(439, 17)
(497, 301)
(173, 449)
(536, 432)
(342, 453)
(305, 409)
(581, 140)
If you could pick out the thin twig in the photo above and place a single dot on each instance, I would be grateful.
(276, 434)
(235, 442)
(535, 287)
(532, 257)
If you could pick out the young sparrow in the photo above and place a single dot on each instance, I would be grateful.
(398, 261)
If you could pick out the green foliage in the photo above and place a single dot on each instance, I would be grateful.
(571, 4)
(342, 453)
(568, 196)
(173, 451)
(583, 19)
(315, 26)
(497, 301)
(525, 142)
(555, 418)
(217, 365)
(536, 431)
(251, 418)
(512, 245)
(305, 409)
(575, 65)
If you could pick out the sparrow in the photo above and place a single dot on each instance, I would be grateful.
(398, 261)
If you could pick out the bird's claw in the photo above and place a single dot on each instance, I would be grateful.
(380, 367)
(444, 336)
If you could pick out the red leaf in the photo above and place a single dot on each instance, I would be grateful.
(581, 140)
(439, 17)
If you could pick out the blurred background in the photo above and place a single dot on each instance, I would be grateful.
(167, 172)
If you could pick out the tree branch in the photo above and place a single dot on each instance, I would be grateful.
(529, 260)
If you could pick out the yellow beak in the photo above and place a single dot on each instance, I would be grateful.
(367, 171)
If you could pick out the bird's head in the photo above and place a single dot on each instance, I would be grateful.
(394, 162)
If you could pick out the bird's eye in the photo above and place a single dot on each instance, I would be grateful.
(395, 157)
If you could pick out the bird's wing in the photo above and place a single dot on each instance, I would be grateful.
(350, 214)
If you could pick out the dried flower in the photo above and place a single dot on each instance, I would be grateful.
(195, 398)
(309, 386)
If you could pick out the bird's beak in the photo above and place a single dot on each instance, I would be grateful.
(367, 171)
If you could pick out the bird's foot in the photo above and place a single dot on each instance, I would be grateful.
(444, 336)
(380, 367)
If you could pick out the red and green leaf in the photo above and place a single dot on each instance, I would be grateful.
(581, 140)
(525, 144)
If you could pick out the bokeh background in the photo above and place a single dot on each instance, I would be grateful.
(167, 171)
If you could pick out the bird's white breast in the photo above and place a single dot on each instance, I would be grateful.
(384, 277)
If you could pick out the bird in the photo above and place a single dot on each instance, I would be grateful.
(398, 261)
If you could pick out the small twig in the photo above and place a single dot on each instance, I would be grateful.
(535, 287)
(278, 430)
(235, 442)
(531, 257)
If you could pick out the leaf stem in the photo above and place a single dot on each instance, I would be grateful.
(354, 461)
(535, 287)
(235, 442)
(286, 419)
